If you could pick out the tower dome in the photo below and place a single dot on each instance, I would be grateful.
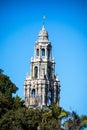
(43, 34)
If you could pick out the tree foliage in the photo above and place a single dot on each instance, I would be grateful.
(20, 119)
(15, 116)
(76, 122)
(7, 89)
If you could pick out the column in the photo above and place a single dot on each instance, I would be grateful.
(51, 54)
(46, 53)
(55, 93)
(38, 70)
(39, 95)
(31, 69)
(43, 95)
(36, 95)
(34, 52)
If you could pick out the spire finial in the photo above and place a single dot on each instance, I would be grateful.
(44, 17)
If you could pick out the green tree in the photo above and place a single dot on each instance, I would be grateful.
(15, 116)
(58, 112)
(21, 119)
(52, 118)
(75, 122)
(1, 71)
(83, 123)
(7, 89)
(51, 124)
(17, 102)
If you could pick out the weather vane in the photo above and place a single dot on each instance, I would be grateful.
(44, 17)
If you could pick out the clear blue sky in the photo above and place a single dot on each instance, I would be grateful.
(66, 23)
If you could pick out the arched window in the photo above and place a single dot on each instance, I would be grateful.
(33, 93)
(36, 72)
(37, 52)
(43, 52)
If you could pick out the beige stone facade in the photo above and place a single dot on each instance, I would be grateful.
(42, 87)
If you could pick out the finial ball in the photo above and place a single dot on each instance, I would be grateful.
(44, 17)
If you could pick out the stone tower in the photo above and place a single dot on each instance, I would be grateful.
(42, 87)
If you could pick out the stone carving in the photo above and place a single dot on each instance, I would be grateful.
(42, 80)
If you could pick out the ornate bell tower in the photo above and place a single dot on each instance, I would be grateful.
(42, 87)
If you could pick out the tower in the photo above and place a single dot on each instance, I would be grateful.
(42, 87)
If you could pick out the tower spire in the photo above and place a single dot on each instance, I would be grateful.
(41, 87)
(44, 18)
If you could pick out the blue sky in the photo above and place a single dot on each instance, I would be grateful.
(66, 23)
